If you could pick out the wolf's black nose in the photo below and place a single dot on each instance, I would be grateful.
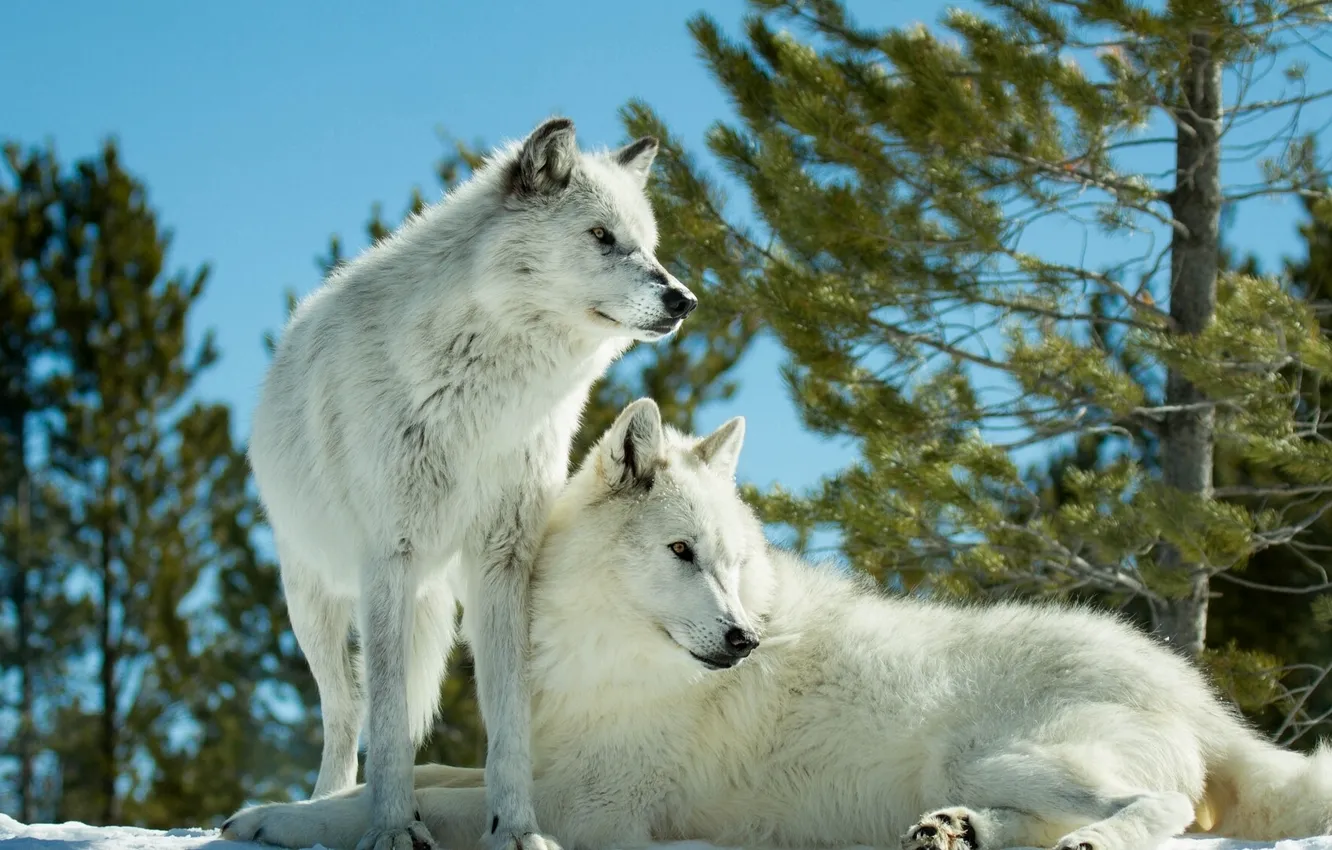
(740, 642)
(678, 302)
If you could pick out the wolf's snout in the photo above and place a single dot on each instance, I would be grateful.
(679, 302)
(740, 642)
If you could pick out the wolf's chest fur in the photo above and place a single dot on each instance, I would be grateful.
(491, 391)
(421, 433)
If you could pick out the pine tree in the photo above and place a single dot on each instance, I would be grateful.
(1269, 622)
(155, 641)
(1277, 609)
(951, 222)
(30, 519)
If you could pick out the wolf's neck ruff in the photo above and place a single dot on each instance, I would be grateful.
(462, 323)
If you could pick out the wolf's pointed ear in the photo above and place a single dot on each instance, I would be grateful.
(546, 159)
(637, 157)
(631, 449)
(721, 449)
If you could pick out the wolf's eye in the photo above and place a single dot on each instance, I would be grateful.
(682, 551)
(602, 235)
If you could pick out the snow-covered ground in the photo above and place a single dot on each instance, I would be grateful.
(77, 836)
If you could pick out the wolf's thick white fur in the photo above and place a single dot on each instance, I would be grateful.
(412, 430)
(1005, 725)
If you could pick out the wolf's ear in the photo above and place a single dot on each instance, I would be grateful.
(546, 159)
(631, 449)
(637, 157)
(721, 449)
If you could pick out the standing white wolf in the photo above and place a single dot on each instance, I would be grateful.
(413, 427)
(1011, 725)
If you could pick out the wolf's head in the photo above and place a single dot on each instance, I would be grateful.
(578, 237)
(653, 541)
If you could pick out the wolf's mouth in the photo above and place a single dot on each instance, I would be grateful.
(663, 327)
(715, 663)
(718, 663)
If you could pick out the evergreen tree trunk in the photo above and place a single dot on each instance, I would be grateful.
(24, 628)
(1187, 439)
(15, 408)
(107, 780)
(21, 553)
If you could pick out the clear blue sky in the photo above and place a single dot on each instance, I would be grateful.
(261, 128)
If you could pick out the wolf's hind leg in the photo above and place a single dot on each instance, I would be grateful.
(1046, 797)
(1141, 822)
(322, 625)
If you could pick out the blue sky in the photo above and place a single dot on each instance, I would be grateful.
(261, 128)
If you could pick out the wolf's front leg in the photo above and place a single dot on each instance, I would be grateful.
(587, 819)
(956, 828)
(499, 633)
(388, 612)
(962, 828)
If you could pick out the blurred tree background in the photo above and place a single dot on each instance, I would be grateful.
(144, 666)
(995, 253)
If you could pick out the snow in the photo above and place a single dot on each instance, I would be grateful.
(78, 836)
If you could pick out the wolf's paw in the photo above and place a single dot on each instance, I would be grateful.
(1082, 839)
(520, 840)
(414, 836)
(946, 829)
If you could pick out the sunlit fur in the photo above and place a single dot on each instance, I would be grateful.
(860, 719)
(415, 424)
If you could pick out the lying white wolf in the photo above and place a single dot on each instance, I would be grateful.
(1012, 725)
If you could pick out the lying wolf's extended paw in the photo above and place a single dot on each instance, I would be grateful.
(946, 829)
(282, 824)
(267, 824)
(338, 823)
(520, 840)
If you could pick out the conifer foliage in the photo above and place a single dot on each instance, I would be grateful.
(138, 627)
(998, 237)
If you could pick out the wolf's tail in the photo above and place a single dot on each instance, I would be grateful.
(1261, 792)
